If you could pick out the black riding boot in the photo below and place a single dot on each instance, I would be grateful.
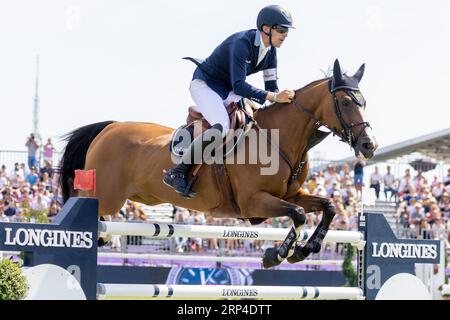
(176, 177)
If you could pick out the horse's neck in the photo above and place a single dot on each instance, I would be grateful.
(295, 126)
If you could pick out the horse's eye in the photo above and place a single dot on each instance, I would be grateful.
(346, 103)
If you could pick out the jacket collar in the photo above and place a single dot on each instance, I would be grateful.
(257, 38)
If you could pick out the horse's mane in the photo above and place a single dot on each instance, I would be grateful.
(296, 91)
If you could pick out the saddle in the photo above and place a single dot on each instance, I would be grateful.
(241, 121)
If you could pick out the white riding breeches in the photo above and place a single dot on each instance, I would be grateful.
(211, 105)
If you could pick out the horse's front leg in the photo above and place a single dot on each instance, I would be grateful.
(265, 205)
(314, 243)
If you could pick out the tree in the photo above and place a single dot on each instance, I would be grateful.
(13, 283)
(347, 266)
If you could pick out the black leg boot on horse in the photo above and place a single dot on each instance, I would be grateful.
(177, 176)
(274, 256)
(314, 243)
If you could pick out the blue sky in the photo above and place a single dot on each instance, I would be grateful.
(121, 60)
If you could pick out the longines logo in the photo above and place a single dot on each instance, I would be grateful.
(240, 234)
(404, 250)
(239, 292)
(48, 238)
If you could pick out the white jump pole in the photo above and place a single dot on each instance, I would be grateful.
(219, 232)
(226, 292)
(222, 292)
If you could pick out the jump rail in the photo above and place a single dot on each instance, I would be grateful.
(219, 232)
(226, 292)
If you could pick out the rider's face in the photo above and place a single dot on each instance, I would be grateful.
(278, 36)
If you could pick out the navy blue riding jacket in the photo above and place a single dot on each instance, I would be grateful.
(226, 69)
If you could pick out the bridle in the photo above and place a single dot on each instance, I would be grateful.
(345, 134)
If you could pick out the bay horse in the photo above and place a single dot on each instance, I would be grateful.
(129, 158)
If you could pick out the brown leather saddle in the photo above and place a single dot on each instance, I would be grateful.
(241, 121)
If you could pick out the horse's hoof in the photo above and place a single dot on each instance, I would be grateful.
(270, 258)
(314, 247)
(299, 254)
(101, 242)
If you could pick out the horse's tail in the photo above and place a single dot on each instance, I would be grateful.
(74, 156)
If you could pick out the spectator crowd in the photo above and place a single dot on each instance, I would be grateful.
(31, 193)
(423, 208)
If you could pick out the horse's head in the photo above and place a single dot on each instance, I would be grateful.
(344, 112)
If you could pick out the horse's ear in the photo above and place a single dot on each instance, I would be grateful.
(337, 73)
(359, 74)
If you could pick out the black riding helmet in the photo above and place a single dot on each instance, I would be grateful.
(273, 15)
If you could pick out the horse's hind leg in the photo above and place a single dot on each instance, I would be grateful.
(264, 205)
(314, 243)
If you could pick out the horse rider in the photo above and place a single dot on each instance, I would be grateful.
(220, 80)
